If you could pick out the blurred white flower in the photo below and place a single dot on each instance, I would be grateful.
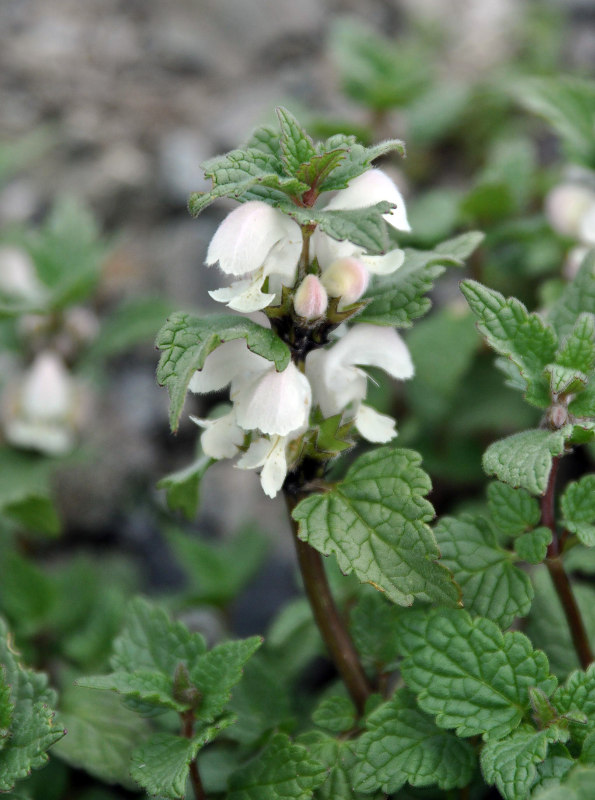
(570, 209)
(339, 384)
(18, 277)
(43, 412)
(255, 242)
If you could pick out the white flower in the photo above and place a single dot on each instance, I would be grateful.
(570, 209)
(346, 278)
(18, 277)
(366, 190)
(272, 406)
(255, 242)
(339, 384)
(43, 413)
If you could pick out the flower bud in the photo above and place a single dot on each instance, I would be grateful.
(346, 278)
(566, 206)
(310, 300)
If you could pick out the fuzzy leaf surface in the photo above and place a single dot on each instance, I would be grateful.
(402, 744)
(358, 159)
(510, 763)
(578, 508)
(526, 339)
(469, 674)
(338, 758)
(182, 487)
(524, 460)
(492, 586)
(577, 297)
(578, 349)
(374, 521)
(532, 546)
(364, 227)
(186, 341)
(398, 299)
(335, 714)
(578, 694)
(297, 147)
(373, 626)
(513, 511)
(282, 771)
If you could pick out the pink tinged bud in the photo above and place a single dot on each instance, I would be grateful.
(310, 300)
(346, 278)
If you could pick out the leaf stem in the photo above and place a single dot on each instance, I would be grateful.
(558, 574)
(327, 617)
(188, 732)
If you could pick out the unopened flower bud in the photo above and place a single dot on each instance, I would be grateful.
(310, 300)
(558, 416)
(346, 278)
(566, 206)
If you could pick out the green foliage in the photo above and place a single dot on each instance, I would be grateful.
(513, 511)
(338, 758)
(578, 695)
(492, 586)
(373, 628)
(532, 547)
(399, 298)
(182, 488)
(25, 491)
(469, 674)
(186, 341)
(577, 298)
(510, 763)
(578, 509)
(524, 460)
(282, 771)
(131, 323)
(27, 726)
(375, 521)
(403, 744)
(335, 714)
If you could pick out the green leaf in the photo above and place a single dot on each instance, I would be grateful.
(132, 323)
(28, 713)
(315, 171)
(6, 708)
(512, 510)
(526, 339)
(357, 160)
(102, 734)
(237, 172)
(583, 405)
(553, 769)
(578, 784)
(568, 104)
(399, 298)
(469, 674)
(335, 714)
(373, 626)
(338, 758)
(564, 380)
(510, 763)
(186, 341)
(532, 547)
(182, 487)
(25, 491)
(375, 523)
(578, 694)
(577, 351)
(578, 297)
(297, 147)
(524, 460)
(219, 572)
(402, 744)
(492, 586)
(144, 686)
(282, 771)
(578, 508)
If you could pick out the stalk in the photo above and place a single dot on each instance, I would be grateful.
(188, 733)
(558, 574)
(327, 617)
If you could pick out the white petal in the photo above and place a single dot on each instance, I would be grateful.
(386, 264)
(221, 437)
(368, 189)
(334, 384)
(55, 440)
(587, 226)
(375, 346)
(225, 363)
(273, 402)
(18, 276)
(255, 455)
(246, 237)
(328, 250)
(283, 258)
(373, 426)
(244, 296)
(48, 389)
(274, 470)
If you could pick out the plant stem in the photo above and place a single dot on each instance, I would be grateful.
(188, 732)
(328, 619)
(558, 574)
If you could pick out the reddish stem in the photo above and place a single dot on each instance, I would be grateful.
(188, 732)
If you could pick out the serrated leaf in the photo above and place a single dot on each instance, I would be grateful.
(296, 145)
(492, 586)
(143, 685)
(182, 487)
(161, 764)
(577, 297)
(6, 707)
(32, 729)
(402, 744)
(338, 758)
(524, 460)
(532, 547)
(564, 380)
(553, 768)
(399, 298)
(358, 160)
(583, 405)
(510, 763)
(578, 508)
(266, 139)
(469, 674)
(577, 351)
(102, 734)
(578, 694)
(282, 771)
(526, 339)
(512, 510)
(373, 629)
(578, 784)
(186, 341)
(315, 171)
(375, 523)
(335, 714)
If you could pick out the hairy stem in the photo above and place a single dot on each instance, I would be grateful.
(328, 619)
(188, 733)
(558, 574)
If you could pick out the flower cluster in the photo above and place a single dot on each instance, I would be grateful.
(296, 277)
